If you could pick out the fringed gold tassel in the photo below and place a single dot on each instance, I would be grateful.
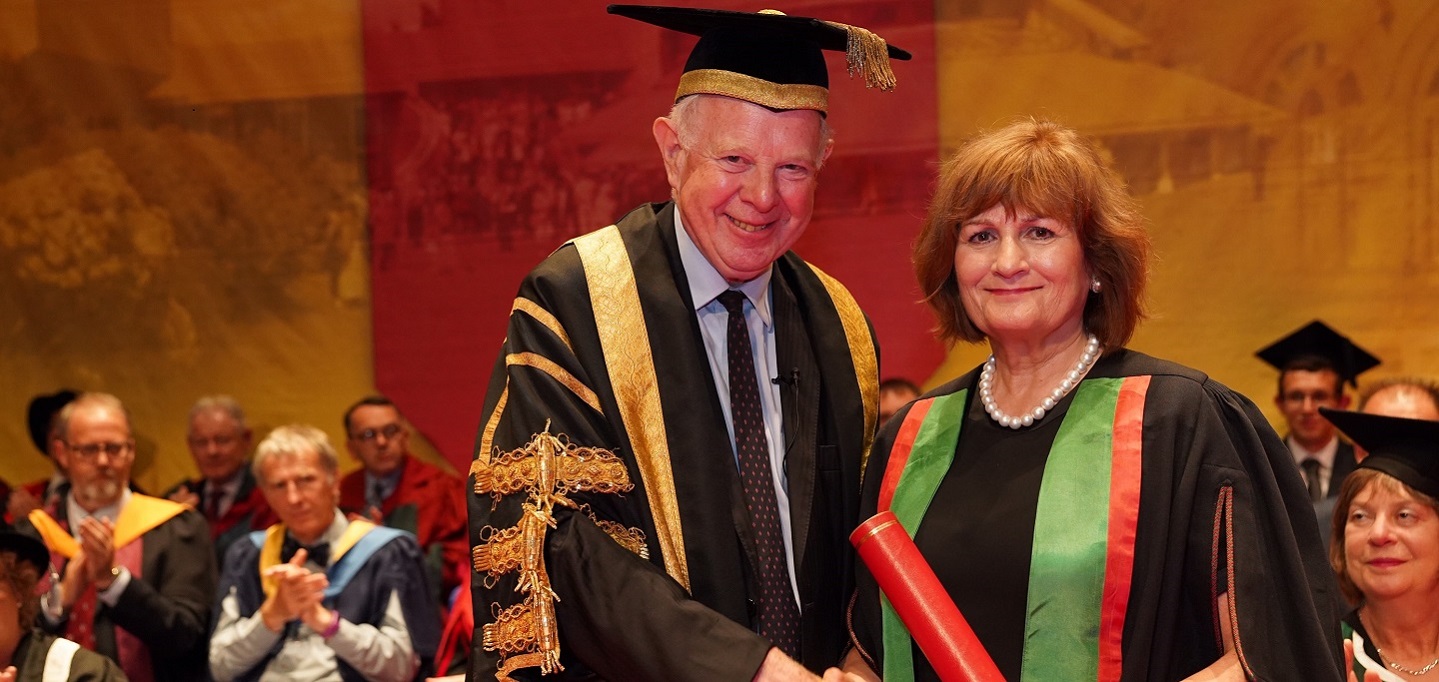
(867, 53)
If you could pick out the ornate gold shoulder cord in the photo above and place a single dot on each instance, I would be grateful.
(548, 467)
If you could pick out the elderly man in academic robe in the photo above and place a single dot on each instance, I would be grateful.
(318, 596)
(682, 405)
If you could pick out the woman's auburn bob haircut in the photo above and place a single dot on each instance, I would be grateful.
(1052, 170)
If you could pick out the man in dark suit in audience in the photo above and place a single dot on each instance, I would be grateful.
(225, 493)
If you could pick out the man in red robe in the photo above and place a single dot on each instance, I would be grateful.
(401, 491)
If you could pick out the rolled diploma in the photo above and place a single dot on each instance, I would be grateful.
(921, 601)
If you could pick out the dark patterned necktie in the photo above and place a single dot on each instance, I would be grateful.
(778, 613)
(1311, 477)
(212, 503)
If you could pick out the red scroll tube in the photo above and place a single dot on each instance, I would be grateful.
(922, 603)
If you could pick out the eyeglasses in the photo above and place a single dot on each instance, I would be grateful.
(93, 450)
(1298, 398)
(389, 431)
(218, 441)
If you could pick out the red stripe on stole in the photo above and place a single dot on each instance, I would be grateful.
(1124, 483)
(899, 452)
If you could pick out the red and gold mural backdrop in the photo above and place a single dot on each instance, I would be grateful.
(300, 202)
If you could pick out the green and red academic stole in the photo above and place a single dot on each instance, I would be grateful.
(1083, 551)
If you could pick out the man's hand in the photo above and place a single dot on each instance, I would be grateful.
(97, 543)
(8, 674)
(75, 581)
(851, 669)
(777, 667)
(183, 495)
(21, 504)
(298, 592)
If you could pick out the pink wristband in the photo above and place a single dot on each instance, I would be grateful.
(334, 625)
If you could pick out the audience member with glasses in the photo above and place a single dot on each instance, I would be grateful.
(399, 490)
(138, 571)
(225, 492)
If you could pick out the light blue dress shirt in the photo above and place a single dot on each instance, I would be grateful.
(706, 284)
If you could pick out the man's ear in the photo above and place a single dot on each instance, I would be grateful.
(1343, 401)
(828, 149)
(668, 140)
(60, 453)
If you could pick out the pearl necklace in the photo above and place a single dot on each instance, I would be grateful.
(986, 389)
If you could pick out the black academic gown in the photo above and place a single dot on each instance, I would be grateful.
(1198, 437)
(85, 665)
(621, 616)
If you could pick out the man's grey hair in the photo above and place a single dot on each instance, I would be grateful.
(220, 403)
(62, 419)
(681, 113)
(294, 440)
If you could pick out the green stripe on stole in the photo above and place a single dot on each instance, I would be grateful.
(1071, 537)
(929, 460)
(1067, 567)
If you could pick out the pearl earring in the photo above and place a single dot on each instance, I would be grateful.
(1094, 284)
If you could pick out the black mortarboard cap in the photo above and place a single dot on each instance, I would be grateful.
(1319, 340)
(768, 58)
(41, 412)
(1407, 449)
(26, 548)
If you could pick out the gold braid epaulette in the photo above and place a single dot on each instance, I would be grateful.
(548, 467)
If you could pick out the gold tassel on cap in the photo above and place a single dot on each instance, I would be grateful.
(868, 53)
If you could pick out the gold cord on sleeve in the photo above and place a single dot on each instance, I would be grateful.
(545, 469)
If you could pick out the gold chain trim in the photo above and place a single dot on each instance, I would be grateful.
(526, 635)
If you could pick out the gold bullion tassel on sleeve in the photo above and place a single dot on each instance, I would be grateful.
(548, 467)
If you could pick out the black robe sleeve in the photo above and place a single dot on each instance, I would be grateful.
(619, 615)
(1251, 521)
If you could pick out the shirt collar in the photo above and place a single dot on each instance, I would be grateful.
(706, 282)
(74, 512)
(1325, 455)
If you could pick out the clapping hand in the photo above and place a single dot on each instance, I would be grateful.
(298, 595)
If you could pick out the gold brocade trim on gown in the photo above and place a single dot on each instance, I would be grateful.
(862, 350)
(624, 340)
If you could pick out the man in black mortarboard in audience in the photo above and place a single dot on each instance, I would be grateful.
(1314, 363)
(682, 406)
